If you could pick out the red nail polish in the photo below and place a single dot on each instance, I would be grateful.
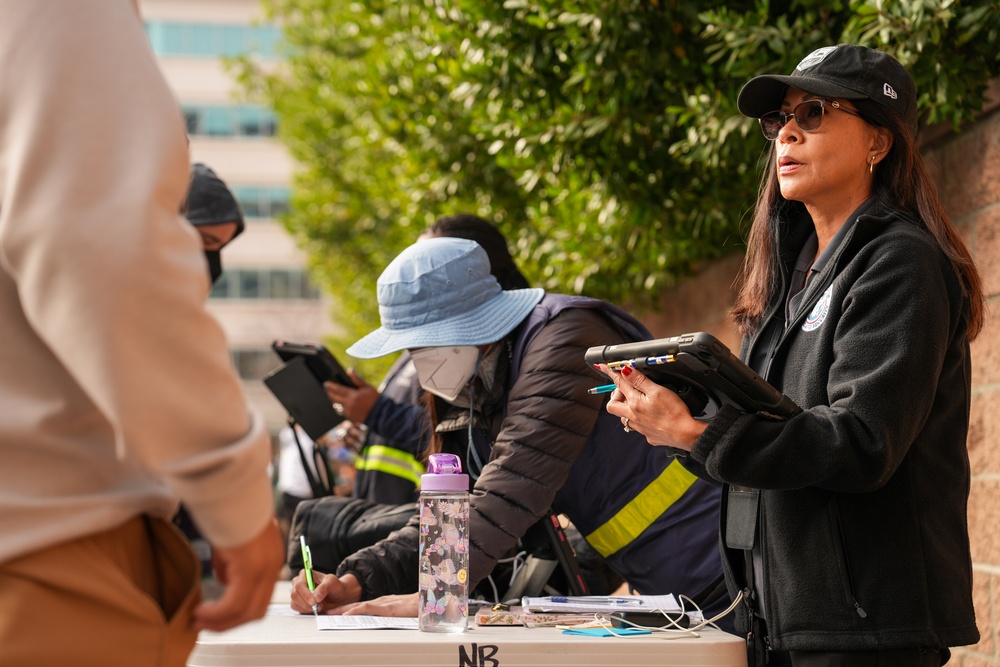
(627, 371)
(597, 366)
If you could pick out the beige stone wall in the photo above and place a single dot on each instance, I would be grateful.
(967, 169)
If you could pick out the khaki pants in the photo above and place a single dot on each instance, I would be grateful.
(121, 598)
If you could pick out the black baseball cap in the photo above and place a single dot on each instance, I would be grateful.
(844, 71)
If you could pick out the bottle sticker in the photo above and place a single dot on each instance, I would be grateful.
(462, 576)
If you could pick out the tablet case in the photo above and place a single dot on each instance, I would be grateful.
(319, 360)
(703, 372)
(295, 386)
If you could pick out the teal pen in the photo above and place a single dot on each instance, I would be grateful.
(603, 389)
(308, 567)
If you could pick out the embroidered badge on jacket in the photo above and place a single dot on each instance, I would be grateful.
(819, 312)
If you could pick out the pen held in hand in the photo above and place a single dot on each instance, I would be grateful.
(603, 389)
(307, 566)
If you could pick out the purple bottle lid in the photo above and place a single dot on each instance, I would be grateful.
(444, 473)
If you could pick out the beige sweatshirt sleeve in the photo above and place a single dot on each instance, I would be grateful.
(93, 167)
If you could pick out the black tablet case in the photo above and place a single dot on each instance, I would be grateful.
(319, 360)
(303, 397)
(702, 371)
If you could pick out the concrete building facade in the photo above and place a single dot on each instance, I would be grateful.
(265, 293)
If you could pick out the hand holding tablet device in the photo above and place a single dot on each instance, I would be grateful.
(298, 385)
(701, 370)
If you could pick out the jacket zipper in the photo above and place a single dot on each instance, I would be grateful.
(858, 609)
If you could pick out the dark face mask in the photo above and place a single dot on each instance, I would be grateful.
(214, 258)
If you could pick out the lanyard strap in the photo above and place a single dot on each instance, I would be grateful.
(320, 483)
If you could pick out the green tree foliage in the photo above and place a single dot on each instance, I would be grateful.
(601, 137)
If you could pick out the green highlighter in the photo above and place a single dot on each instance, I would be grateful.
(308, 566)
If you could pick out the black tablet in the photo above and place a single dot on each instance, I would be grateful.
(298, 390)
(702, 371)
(319, 360)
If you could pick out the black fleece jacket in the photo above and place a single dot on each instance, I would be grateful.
(863, 510)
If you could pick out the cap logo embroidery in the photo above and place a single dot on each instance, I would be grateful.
(815, 58)
(888, 91)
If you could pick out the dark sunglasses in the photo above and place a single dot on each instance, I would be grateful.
(808, 116)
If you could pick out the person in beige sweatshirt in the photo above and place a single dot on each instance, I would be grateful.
(117, 396)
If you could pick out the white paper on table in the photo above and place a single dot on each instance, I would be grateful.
(364, 622)
(282, 609)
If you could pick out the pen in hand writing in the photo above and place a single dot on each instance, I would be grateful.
(603, 389)
(308, 567)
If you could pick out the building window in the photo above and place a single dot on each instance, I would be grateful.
(262, 201)
(211, 40)
(264, 284)
(229, 121)
(254, 363)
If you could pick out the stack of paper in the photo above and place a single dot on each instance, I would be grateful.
(363, 622)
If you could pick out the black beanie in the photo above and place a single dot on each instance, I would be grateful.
(209, 201)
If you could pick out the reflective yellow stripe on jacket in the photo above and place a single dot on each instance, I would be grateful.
(642, 510)
(390, 461)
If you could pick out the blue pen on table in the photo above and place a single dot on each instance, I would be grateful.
(584, 599)
(308, 567)
(603, 389)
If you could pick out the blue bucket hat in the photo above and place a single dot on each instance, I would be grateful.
(440, 292)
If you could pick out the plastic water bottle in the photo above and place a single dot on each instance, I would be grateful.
(444, 545)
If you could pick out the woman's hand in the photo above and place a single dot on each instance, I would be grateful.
(387, 605)
(351, 435)
(355, 402)
(333, 594)
(651, 409)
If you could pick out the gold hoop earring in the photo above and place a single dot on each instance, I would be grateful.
(871, 165)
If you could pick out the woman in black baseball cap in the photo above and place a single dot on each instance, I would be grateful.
(845, 526)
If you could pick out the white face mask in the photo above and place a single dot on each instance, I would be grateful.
(444, 371)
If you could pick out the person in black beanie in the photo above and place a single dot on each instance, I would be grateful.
(213, 210)
(211, 207)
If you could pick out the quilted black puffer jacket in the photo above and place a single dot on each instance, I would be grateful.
(552, 444)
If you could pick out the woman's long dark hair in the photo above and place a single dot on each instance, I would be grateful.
(900, 181)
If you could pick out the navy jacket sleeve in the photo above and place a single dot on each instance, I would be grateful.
(402, 425)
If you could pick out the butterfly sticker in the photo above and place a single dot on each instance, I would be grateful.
(435, 606)
(446, 572)
(427, 517)
(456, 509)
(427, 581)
(451, 537)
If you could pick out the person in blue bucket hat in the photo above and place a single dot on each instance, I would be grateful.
(506, 385)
